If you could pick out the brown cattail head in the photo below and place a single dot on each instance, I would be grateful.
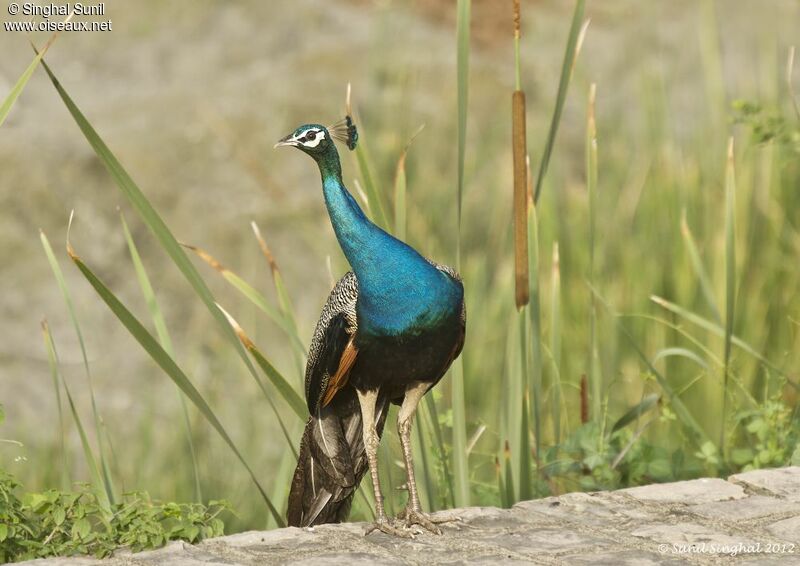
(584, 400)
(520, 152)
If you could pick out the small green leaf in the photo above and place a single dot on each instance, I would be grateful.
(59, 515)
(742, 456)
(81, 528)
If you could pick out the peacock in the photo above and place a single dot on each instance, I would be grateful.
(388, 332)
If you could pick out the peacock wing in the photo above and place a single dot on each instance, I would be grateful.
(333, 351)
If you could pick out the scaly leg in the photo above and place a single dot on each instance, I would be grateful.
(413, 513)
(367, 401)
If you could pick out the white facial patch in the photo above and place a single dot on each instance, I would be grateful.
(318, 136)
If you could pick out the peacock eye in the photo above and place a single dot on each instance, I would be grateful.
(311, 136)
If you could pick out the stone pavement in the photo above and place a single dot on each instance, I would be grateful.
(752, 518)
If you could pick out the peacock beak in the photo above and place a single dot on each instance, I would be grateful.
(288, 140)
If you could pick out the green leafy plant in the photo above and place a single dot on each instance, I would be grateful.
(772, 436)
(66, 523)
(767, 124)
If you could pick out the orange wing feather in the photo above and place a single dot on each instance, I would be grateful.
(339, 379)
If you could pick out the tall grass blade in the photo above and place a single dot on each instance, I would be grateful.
(433, 416)
(401, 189)
(462, 40)
(509, 480)
(635, 412)
(460, 457)
(683, 353)
(501, 488)
(19, 86)
(700, 271)
(421, 452)
(525, 464)
(91, 463)
(790, 86)
(534, 343)
(153, 221)
(594, 375)
(281, 384)
(62, 284)
(281, 483)
(249, 292)
(677, 404)
(730, 285)
(168, 365)
(287, 309)
(373, 194)
(719, 331)
(570, 56)
(55, 374)
(265, 365)
(166, 342)
(555, 343)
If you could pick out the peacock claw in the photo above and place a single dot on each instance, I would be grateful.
(413, 517)
(383, 525)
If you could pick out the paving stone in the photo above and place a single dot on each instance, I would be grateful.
(624, 558)
(708, 521)
(67, 561)
(495, 560)
(752, 507)
(534, 542)
(695, 491)
(789, 530)
(353, 559)
(179, 554)
(770, 560)
(259, 538)
(598, 510)
(783, 482)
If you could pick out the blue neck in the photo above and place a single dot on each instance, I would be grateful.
(398, 289)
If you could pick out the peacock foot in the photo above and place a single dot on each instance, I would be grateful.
(412, 517)
(384, 525)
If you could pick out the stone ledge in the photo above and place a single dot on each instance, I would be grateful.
(754, 515)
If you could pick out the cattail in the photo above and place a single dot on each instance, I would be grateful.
(520, 152)
(584, 400)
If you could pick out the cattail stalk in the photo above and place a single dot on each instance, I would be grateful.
(519, 147)
(584, 400)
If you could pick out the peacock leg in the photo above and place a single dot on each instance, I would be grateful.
(367, 400)
(413, 514)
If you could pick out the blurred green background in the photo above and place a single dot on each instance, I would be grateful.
(191, 96)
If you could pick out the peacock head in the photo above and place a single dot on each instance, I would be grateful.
(317, 140)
